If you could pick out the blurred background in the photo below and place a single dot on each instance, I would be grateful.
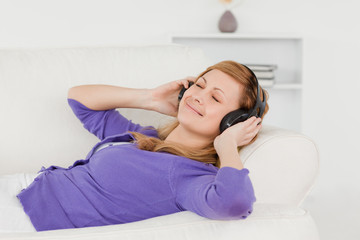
(330, 77)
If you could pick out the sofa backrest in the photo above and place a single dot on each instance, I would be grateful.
(39, 129)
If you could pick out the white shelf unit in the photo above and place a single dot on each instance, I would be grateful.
(284, 50)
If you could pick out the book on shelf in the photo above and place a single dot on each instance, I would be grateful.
(262, 67)
(264, 75)
(266, 83)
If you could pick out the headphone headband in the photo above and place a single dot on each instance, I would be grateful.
(259, 106)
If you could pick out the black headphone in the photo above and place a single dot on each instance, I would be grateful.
(241, 114)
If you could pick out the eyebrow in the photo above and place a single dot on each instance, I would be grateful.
(215, 87)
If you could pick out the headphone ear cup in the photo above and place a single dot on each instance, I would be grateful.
(182, 91)
(232, 118)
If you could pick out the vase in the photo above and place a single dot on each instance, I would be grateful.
(227, 22)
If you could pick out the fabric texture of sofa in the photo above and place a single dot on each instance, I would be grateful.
(39, 129)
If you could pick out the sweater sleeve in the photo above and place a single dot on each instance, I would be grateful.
(106, 123)
(226, 195)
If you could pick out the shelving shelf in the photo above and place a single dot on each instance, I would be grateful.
(284, 50)
(286, 86)
(235, 36)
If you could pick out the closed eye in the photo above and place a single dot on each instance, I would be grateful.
(212, 97)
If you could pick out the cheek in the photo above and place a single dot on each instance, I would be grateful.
(217, 115)
(219, 110)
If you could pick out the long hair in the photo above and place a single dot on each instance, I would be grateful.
(207, 154)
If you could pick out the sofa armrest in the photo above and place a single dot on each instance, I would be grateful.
(283, 165)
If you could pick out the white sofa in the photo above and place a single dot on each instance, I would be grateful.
(39, 129)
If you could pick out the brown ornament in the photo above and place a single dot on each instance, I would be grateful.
(227, 22)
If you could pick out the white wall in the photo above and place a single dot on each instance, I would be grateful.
(331, 75)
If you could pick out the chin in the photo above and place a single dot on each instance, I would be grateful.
(193, 126)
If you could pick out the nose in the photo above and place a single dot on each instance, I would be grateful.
(199, 95)
(198, 98)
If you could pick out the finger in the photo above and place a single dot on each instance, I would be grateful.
(250, 121)
(192, 80)
(255, 121)
(251, 135)
(259, 125)
(183, 83)
(187, 83)
(255, 127)
(259, 120)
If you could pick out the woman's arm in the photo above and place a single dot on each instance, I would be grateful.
(104, 97)
(227, 195)
(162, 99)
(229, 156)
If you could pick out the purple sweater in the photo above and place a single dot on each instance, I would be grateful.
(122, 184)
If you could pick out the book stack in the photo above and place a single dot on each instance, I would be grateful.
(265, 73)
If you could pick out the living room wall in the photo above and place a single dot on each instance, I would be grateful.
(331, 77)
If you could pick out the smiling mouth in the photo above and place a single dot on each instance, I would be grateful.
(187, 105)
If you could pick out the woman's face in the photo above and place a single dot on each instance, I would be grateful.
(205, 103)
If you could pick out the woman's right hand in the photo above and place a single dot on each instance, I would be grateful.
(165, 97)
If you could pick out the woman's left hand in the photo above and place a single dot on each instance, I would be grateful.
(165, 97)
(239, 134)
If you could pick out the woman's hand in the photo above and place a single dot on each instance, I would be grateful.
(165, 97)
(239, 134)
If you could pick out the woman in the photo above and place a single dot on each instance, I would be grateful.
(137, 172)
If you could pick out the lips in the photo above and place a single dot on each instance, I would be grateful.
(193, 109)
